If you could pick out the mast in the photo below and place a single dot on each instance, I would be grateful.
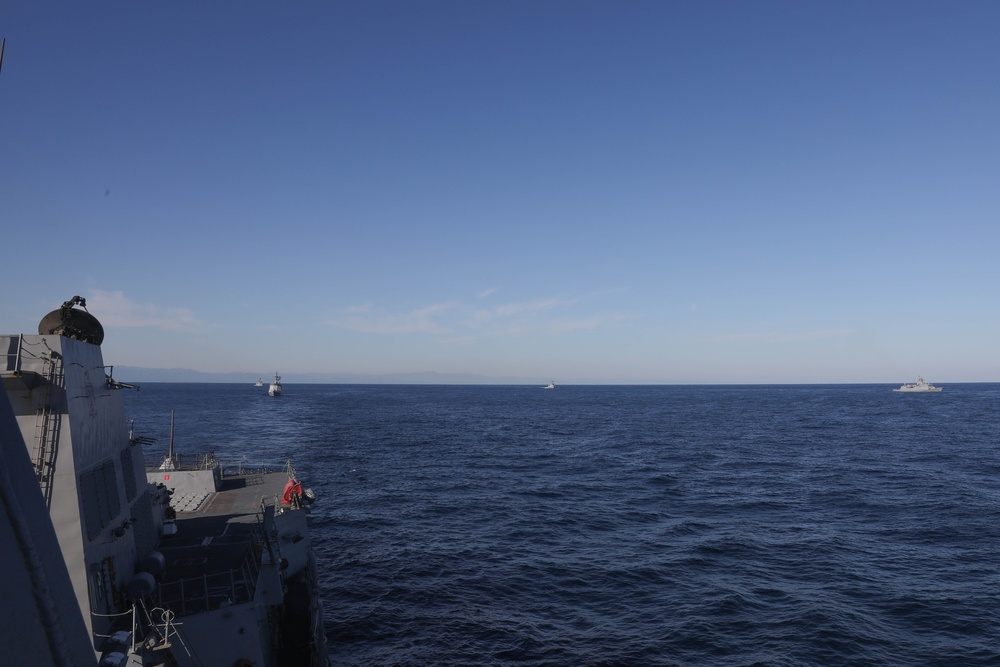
(168, 463)
(170, 451)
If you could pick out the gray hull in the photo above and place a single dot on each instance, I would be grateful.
(129, 566)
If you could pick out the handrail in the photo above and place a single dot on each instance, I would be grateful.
(195, 595)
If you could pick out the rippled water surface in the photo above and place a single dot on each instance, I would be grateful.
(730, 525)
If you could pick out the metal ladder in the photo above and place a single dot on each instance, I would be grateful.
(47, 422)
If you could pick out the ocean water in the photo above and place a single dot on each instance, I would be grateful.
(668, 525)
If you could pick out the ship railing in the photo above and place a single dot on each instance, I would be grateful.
(229, 467)
(243, 467)
(203, 461)
(12, 361)
(34, 355)
(211, 591)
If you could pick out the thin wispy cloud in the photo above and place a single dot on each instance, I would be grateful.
(586, 323)
(783, 337)
(368, 319)
(118, 310)
(461, 321)
(518, 308)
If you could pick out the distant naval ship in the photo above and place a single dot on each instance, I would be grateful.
(920, 385)
(108, 562)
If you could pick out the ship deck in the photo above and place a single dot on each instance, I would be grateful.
(214, 557)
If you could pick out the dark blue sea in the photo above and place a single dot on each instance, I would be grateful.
(631, 525)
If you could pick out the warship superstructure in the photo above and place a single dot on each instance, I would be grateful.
(114, 563)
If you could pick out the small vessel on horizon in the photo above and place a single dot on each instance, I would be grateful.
(920, 386)
(550, 385)
(275, 388)
(259, 383)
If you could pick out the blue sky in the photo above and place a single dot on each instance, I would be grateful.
(643, 192)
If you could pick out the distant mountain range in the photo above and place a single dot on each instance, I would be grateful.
(138, 374)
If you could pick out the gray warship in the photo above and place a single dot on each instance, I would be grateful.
(109, 562)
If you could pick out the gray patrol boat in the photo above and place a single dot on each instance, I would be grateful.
(108, 562)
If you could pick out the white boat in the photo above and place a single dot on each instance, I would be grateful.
(260, 382)
(275, 388)
(550, 385)
(920, 385)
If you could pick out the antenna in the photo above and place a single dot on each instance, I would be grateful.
(3, 44)
(168, 462)
(170, 454)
